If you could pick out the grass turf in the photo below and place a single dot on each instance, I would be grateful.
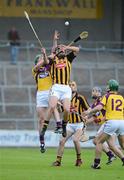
(30, 164)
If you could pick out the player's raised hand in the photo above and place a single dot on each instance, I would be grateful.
(56, 35)
(43, 50)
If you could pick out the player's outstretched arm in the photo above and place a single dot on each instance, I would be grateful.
(71, 48)
(39, 64)
(56, 37)
(45, 58)
(94, 110)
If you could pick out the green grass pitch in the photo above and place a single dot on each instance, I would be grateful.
(30, 164)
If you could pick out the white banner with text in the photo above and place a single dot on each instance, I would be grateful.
(27, 138)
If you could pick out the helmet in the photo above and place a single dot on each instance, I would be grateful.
(57, 50)
(112, 85)
(60, 53)
(96, 92)
(37, 58)
(98, 89)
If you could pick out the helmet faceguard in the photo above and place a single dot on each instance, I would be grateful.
(96, 92)
(60, 53)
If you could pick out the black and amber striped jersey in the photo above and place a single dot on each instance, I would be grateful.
(61, 69)
(78, 105)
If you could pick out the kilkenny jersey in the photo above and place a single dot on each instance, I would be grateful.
(43, 78)
(114, 105)
(78, 104)
(61, 69)
(100, 115)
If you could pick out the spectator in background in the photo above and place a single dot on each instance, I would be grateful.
(14, 40)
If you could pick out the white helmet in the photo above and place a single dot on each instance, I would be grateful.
(96, 92)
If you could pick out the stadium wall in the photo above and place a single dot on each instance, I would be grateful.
(106, 29)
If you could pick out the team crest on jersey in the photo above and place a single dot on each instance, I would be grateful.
(61, 64)
(73, 109)
(43, 74)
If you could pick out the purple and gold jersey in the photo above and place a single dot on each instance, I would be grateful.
(100, 115)
(43, 78)
(114, 106)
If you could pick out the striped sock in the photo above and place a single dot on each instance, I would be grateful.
(79, 156)
(45, 126)
(59, 158)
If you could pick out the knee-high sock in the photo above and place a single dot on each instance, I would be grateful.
(42, 133)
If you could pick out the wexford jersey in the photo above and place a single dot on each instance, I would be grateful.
(61, 69)
(114, 105)
(100, 115)
(78, 104)
(43, 78)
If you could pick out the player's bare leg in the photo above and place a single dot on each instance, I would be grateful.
(61, 149)
(121, 142)
(109, 153)
(101, 139)
(107, 150)
(52, 105)
(66, 106)
(117, 151)
(41, 116)
(76, 139)
(110, 142)
(58, 121)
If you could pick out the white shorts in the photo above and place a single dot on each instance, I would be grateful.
(42, 98)
(100, 130)
(61, 91)
(73, 127)
(114, 127)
